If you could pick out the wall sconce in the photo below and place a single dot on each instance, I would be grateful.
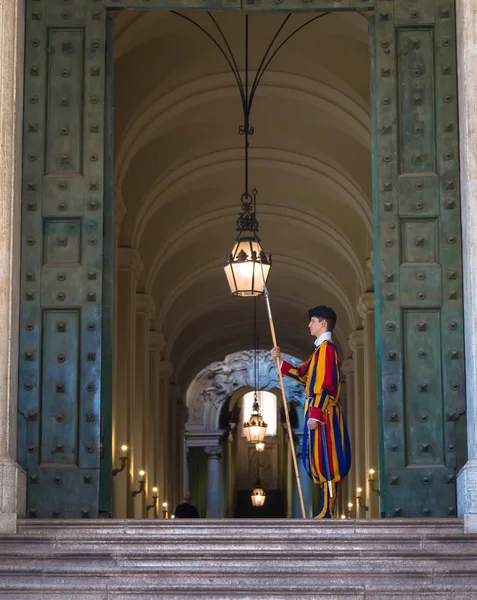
(155, 498)
(165, 512)
(123, 458)
(359, 498)
(350, 509)
(372, 481)
(141, 483)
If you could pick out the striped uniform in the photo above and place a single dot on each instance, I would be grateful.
(321, 376)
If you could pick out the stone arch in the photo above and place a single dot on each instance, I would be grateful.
(215, 385)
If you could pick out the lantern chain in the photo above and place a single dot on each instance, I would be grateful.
(247, 220)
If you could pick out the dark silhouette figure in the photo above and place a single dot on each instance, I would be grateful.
(186, 510)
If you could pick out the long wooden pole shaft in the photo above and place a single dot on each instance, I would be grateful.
(285, 406)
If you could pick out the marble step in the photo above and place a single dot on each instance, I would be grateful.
(114, 559)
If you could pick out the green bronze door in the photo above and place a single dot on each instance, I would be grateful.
(66, 292)
(418, 266)
(62, 254)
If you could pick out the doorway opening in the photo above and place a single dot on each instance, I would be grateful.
(178, 172)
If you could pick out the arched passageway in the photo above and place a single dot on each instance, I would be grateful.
(178, 180)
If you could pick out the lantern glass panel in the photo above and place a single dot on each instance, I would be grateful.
(258, 497)
(243, 269)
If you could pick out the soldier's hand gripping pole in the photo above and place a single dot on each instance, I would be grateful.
(284, 396)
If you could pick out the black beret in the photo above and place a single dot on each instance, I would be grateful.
(322, 312)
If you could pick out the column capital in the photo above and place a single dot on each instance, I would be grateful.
(156, 341)
(129, 259)
(366, 304)
(166, 369)
(356, 340)
(213, 452)
(145, 305)
(347, 367)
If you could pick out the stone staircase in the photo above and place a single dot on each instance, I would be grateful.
(229, 559)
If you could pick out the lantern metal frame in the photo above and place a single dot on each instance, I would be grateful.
(255, 421)
(247, 223)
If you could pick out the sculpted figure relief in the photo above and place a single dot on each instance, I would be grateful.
(219, 380)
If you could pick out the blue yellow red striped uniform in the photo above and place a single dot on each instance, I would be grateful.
(321, 376)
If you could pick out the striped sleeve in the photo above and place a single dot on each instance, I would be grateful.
(299, 374)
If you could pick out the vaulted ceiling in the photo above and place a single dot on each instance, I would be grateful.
(179, 174)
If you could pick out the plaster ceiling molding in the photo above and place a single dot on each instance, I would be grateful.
(155, 115)
(302, 299)
(311, 172)
(215, 384)
(319, 102)
(214, 226)
(132, 28)
(225, 341)
(207, 309)
(219, 163)
(280, 140)
(208, 271)
(223, 330)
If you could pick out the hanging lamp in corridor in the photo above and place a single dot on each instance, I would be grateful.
(247, 266)
(255, 427)
(258, 495)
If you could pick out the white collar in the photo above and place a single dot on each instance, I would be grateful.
(323, 338)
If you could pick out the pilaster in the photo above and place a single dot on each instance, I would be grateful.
(142, 447)
(165, 370)
(156, 346)
(366, 310)
(347, 369)
(175, 444)
(128, 269)
(356, 345)
(12, 476)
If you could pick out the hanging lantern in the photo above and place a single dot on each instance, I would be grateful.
(243, 266)
(247, 266)
(260, 446)
(255, 427)
(258, 497)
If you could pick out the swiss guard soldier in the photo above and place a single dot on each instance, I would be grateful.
(326, 451)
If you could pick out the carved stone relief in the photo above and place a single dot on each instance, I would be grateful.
(215, 384)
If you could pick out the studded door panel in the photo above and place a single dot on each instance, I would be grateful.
(418, 252)
(61, 269)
